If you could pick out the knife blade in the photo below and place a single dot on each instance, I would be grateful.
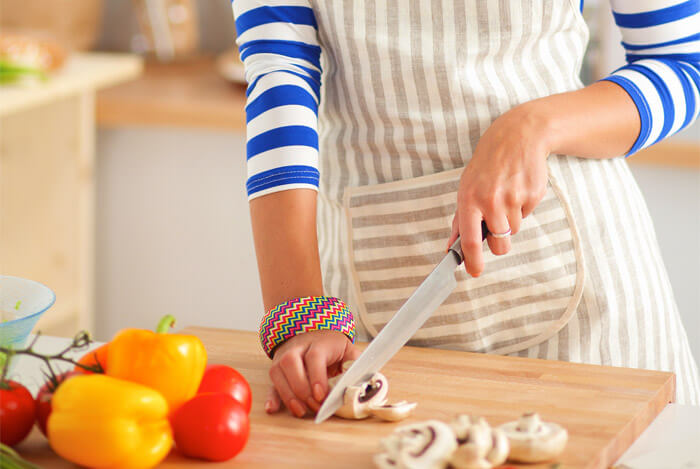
(410, 317)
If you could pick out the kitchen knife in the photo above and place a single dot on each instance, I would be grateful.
(418, 308)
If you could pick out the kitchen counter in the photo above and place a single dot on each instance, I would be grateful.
(604, 408)
(186, 94)
(193, 94)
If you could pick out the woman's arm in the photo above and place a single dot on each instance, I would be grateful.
(284, 230)
(656, 94)
(279, 47)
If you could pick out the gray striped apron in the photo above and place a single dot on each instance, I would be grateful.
(409, 86)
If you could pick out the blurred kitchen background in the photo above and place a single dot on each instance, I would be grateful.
(122, 175)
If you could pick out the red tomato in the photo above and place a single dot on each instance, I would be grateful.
(43, 399)
(211, 426)
(94, 358)
(16, 412)
(222, 378)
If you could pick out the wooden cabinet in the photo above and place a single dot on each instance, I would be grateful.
(47, 203)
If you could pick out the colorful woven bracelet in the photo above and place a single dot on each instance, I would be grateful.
(311, 313)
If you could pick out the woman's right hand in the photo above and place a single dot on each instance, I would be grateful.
(301, 367)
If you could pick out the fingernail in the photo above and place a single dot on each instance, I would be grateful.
(318, 392)
(268, 406)
(313, 405)
(297, 408)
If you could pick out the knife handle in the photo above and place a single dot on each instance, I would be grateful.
(457, 245)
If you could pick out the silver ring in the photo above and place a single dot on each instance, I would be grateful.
(501, 235)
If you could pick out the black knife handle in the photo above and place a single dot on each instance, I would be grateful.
(456, 247)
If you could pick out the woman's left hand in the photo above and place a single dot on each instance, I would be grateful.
(502, 183)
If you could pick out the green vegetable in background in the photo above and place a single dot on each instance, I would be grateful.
(9, 459)
(10, 73)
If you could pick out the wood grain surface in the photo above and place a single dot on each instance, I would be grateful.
(187, 94)
(604, 408)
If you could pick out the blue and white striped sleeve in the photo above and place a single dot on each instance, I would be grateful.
(662, 42)
(278, 43)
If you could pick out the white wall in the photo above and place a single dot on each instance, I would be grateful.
(673, 197)
(174, 231)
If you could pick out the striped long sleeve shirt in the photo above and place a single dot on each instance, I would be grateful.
(279, 46)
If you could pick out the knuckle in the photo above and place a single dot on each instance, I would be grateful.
(286, 360)
(470, 244)
(512, 198)
(313, 354)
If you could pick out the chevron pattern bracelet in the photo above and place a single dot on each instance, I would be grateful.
(311, 313)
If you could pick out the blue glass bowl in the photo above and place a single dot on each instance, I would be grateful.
(22, 302)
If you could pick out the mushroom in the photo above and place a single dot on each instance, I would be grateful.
(425, 445)
(480, 446)
(357, 400)
(393, 412)
(369, 398)
(532, 440)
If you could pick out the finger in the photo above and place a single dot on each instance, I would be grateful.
(533, 200)
(470, 232)
(316, 362)
(273, 401)
(498, 223)
(454, 233)
(515, 219)
(292, 366)
(285, 392)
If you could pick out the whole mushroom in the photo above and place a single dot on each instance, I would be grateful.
(425, 445)
(532, 440)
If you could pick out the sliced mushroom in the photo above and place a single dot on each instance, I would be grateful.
(461, 424)
(480, 446)
(532, 440)
(500, 447)
(425, 445)
(369, 398)
(471, 453)
(393, 412)
(357, 400)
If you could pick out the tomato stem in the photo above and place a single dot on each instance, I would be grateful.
(165, 324)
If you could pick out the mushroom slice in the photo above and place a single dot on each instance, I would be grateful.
(532, 440)
(461, 424)
(480, 446)
(425, 445)
(471, 453)
(500, 447)
(357, 400)
(393, 412)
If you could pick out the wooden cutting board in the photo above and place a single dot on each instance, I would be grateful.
(604, 408)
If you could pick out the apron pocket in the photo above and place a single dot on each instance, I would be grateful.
(398, 232)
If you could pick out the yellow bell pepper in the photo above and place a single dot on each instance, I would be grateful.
(172, 364)
(103, 422)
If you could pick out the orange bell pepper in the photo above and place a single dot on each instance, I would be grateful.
(172, 364)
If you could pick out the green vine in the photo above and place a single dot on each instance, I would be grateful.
(81, 341)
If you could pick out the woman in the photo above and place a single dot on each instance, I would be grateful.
(449, 112)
